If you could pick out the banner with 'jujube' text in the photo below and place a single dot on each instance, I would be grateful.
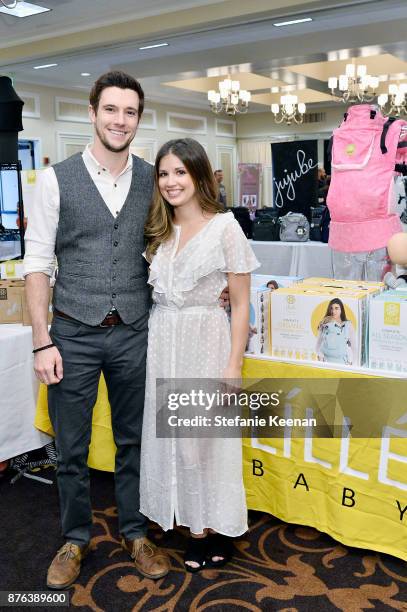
(295, 176)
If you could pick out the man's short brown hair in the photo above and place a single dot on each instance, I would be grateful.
(116, 78)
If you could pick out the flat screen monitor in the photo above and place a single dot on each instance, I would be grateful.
(10, 239)
(9, 197)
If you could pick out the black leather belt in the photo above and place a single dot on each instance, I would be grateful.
(113, 318)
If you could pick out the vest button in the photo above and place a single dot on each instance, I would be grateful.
(114, 277)
(113, 295)
(115, 243)
(115, 261)
(116, 226)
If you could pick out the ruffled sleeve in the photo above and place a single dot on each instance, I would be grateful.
(238, 254)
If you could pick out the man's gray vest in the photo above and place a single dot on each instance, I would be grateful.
(100, 257)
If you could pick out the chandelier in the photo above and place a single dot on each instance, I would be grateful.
(291, 110)
(230, 99)
(395, 102)
(355, 85)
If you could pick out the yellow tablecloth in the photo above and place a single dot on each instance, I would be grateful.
(357, 494)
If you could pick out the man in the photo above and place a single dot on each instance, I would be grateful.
(218, 174)
(90, 212)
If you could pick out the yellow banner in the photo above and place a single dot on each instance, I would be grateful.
(353, 489)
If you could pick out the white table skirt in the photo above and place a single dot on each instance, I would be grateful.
(18, 393)
(294, 258)
(9, 249)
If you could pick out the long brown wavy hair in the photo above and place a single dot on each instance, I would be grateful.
(159, 224)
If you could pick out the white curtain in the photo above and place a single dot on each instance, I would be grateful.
(252, 152)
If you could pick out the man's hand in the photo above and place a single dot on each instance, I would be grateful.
(48, 366)
(224, 298)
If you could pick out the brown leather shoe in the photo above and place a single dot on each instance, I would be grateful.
(149, 561)
(66, 565)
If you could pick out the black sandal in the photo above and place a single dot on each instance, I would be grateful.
(196, 551)
(219, 545)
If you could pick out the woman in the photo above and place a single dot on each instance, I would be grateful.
(336, 338)
(194, 251)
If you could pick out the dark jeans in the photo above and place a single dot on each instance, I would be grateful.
(120, 353)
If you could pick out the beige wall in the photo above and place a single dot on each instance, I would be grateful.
(261, 126)
(46, 127)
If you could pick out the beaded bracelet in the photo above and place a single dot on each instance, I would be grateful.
(42, 348)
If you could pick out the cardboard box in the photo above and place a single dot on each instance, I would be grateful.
(388, 331)
(334, 283)
(259, 320)
(11, 297)
(303, 329)
(26, 319)
(370, 287)
(12, 269)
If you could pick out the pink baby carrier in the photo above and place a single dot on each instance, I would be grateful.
(361, 197)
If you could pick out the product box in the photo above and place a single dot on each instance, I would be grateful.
(26, 319)
(12, 269)
(370, 287)
(388, 331)
(335, 283)
(259, 321)
(261, 280)
(319, 324)
(11, 297)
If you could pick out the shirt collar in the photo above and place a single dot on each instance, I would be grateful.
(91, 160)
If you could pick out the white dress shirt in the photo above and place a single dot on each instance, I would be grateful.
(44, 213)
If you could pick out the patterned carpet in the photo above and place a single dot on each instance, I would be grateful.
(281, 567)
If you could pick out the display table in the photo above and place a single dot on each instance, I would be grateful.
(18, 393)
(355, 490)
(349, 490)
(294, 258)
(9, 249)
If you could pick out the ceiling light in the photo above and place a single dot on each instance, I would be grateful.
(230, 99)
(153, 46)
(289, 110)
(22, 9)
(395, 102)
(44, 66)
(355, 85)
(292, 22)
(85, 73)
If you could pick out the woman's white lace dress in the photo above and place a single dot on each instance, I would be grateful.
(196, 481)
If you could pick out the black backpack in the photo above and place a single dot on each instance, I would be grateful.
(315, 232)
(242, 216)
(266, 228)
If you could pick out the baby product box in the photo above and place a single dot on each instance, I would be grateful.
(319, 324)
(12, 269)
(11, 296)
(388, 331)
(335, 283)
(261, 280)
(370, 287)
(259, 321)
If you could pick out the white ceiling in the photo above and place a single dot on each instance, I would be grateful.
(206, 38)
(76, 15)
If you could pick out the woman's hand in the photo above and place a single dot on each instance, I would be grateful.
(232, 379)
(232, 372)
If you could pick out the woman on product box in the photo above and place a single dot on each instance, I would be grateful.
(336, 337)
(194, 251)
